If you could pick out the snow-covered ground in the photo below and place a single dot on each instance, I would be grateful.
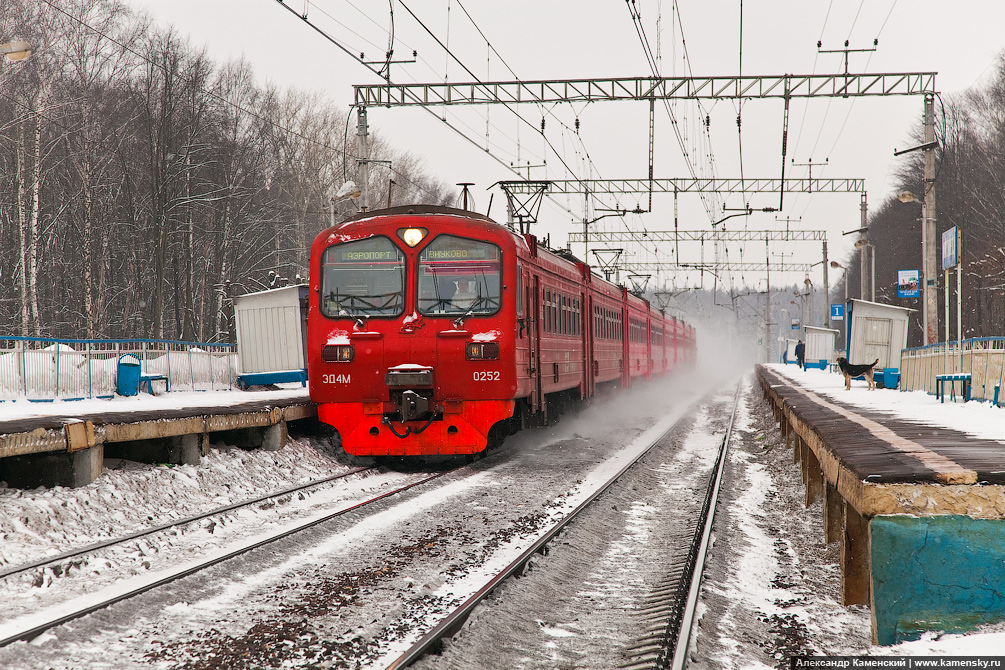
(23, 409)
(772, 586)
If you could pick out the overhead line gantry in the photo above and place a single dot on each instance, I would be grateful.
(645, 88)
(690, 185)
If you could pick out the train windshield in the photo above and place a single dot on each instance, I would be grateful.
(364, 278)
(459, 276)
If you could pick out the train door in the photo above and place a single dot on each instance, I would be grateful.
(586, 330)
(533, 288)
(650, 363)
(626, 359)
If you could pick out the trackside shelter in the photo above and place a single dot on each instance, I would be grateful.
(788, 351)
(876, 331)
(820, 346)
(272, 335)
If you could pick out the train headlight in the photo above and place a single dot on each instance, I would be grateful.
(337, 353)
(412, 236)
(481, 351)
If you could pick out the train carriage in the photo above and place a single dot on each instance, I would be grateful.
(430, 327)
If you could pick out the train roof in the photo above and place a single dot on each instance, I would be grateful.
(420, 210)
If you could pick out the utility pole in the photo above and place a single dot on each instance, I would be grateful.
(827, 288)
(362, 165)
(928, 225)
(863, 251)
(767, 301)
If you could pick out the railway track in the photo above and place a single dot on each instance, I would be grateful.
(35, 625)
(146, 532)
(670, 608)
(358, 591)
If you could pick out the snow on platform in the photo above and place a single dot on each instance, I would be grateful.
(914, 491)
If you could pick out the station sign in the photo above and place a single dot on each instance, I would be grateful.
(908, 283)
(949, 248)
(837, 311)
(795, 324)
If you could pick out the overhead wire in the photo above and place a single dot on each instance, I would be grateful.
(546, 111)
(451, 54)
(653, 66)
(359, 60)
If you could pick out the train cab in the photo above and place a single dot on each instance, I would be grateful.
(410, 336)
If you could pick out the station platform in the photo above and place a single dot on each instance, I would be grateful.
(917, 507)
(64, 443)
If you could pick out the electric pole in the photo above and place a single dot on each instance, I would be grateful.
(929, 293)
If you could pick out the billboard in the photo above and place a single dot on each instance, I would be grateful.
(908, 283)
(949, 255)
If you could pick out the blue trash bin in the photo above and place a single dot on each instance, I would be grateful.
(127, 375)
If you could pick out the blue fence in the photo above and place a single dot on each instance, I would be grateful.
(43, 369)
(981, 357)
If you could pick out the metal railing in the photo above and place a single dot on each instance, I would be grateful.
(982, 357)
(42, 369)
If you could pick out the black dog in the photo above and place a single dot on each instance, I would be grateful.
(849, 371)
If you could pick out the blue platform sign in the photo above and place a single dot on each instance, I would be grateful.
(794, 324)
(837, 311)
(949, 256)
(908, 283)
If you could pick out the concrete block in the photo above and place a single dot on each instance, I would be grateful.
(191, 448)
(274, 437)
(935, 573)
(78, 468)
(175, 450)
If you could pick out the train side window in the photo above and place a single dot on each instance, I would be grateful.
(555, 323)
(548, 310)
(560, 309)
(519, 290)
(555, 313)
(551, 313)
(558, 314)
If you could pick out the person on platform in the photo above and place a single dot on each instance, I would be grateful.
(801, 355)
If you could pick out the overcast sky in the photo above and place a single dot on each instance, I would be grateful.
(553, 39)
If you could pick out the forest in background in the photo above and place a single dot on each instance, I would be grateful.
(143, 184)
(970, 194)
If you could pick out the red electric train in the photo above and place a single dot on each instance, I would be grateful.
(433, 330)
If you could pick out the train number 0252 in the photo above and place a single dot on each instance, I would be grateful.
(485, 376)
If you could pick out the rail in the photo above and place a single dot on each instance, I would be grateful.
(34, 626)
(684, 601)
(46, 369)
(983, 358)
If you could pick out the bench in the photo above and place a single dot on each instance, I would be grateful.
(150, 379)
(940, 386)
